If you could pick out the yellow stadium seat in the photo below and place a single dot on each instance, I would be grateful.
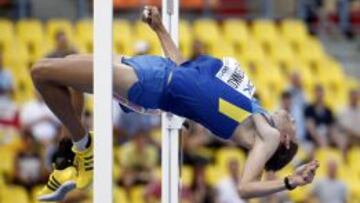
(14, 194)
(353, 157)
(120, 195)
(352, 83)
(294, 31)
(53, 26)
(324, 155)
(300, 194)
(24, 87)
(2, 180)
(213, 174)
(137, 194)
(84, 34)
(281, 53)
(30, 32)
(123, 37)
(34, 193)
(7, 34)
(236, 31)
(265, 31)
(253, 53)
(354, 189)
(221, 49)
(143, 32)
(187, 175)
(330, 74)
(207, 31)
(265, 96)
(311, 50)
(334, 79)
(270, 75)
(16, 55)
(7, 164)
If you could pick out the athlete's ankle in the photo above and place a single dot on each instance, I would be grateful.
(83, 143)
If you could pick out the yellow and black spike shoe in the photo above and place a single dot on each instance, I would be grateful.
(60, 183)
(84, 163)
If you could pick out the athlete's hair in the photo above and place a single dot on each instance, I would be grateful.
(281, 157)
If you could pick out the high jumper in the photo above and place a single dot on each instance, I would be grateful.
(213, 92)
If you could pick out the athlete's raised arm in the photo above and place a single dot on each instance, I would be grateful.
(251, 185)
(152, 17)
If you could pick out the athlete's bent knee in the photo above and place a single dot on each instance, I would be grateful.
(41, 70)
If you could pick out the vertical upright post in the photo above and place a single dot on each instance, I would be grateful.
(103, 71)
(170, 123)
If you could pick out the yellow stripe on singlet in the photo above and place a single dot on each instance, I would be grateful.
(232, 111)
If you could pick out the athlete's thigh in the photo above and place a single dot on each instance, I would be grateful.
(124, 77)
(74, 72)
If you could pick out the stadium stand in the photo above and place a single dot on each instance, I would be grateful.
(269, 52)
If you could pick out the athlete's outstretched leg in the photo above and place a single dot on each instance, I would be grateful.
(61, 83)
(53, 77)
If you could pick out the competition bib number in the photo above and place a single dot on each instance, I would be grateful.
(231, 74)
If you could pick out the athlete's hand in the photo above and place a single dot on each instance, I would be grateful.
(152, 17)
(304, 174)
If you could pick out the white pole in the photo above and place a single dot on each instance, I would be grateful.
(103, 155)
(170, 123)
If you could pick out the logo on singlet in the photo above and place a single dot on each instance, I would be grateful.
(232, 75)
(223, 71)
(236, 78)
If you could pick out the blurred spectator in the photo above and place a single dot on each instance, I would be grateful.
(311, 11)
(138, 160)
(227, 188)
(141, 47)
(153, 192)
(197, 49)
(36, 117)
(62, 46)
(201, 191)
(330, 189)
(349, 118)
(319, 119)
(195, 138)
(298, 104)
(29, 168)
(9, 112)
(286, 101)
(6, 78)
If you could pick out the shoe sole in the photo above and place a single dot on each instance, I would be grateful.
(60, 193)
